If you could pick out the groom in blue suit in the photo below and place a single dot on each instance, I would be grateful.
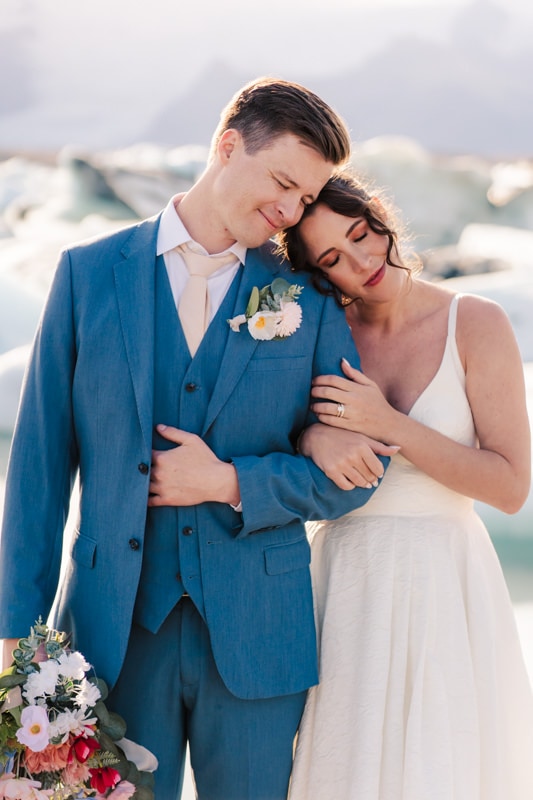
(187, 582)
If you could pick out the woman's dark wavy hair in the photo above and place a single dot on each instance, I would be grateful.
(344, 194)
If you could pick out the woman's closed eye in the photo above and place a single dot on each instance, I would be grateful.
(358, 231)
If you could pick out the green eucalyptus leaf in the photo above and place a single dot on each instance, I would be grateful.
(146, 779)
(107, 743)
(280, 286)
(115, 727)
(15, 679)
(143, 793)
(253, 303)
(101, 712)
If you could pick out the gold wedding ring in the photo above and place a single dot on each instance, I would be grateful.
(340, 409)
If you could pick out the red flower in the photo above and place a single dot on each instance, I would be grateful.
(104, 778)
(83, 748)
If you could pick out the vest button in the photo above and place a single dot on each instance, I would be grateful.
(190, 387)
(134, 544)
(187, 530)
(143, 468)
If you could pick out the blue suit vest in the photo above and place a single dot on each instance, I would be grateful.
(182, 390)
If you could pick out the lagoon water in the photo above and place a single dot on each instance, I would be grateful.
(471, 220)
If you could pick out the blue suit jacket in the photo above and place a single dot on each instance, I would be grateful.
(87, 406)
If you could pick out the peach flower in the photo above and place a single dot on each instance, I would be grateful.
(52, 758)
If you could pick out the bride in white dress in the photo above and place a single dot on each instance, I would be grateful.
(423, 691)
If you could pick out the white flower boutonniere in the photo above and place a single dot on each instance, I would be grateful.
(272, 312)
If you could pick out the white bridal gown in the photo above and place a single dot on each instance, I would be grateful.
(423, 690)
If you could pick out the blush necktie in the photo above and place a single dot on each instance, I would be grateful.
(194, 306)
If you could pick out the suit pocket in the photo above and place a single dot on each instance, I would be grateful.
(273, 362)
(280, 558)
(83, 550)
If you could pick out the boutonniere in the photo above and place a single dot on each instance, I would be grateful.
(272, 312)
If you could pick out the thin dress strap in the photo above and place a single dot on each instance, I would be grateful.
(451, 343)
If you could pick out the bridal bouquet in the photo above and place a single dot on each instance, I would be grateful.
(57, 738)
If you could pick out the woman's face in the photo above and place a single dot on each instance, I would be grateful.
(349, 253)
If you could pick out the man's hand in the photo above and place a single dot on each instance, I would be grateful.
(8, 645)
(190, 473)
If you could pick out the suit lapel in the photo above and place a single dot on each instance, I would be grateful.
(135, 289)
(258, 271)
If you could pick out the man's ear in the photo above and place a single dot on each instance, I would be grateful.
(228, 144)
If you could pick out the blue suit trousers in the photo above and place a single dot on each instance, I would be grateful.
(239, 749)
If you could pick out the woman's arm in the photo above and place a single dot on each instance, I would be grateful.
(499, 471)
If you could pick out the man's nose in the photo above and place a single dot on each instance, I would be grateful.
(291, 210)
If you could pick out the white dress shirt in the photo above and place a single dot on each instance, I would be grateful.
(172, 232)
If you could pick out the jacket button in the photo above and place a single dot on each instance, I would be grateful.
(143, 468)
(191, 387)
(187, 530)
(134, 544)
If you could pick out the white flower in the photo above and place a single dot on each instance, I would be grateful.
(34, 728)
(71, 722)
(43, 682)
(291, 318)
(87, 694)
(263, 324)
(236, 322)
(73, 665)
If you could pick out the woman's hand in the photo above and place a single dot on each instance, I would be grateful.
(348, 459)
(354, 403)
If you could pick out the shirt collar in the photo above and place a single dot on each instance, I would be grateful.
(172, 232)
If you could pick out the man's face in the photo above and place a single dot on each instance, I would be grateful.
(261, 194)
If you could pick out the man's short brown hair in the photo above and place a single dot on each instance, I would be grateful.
(267, 108)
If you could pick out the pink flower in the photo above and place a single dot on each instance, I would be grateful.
(12, 788)
(291, 318)
(34, 730)
(75, 773)
(51, 758)
(122, 791)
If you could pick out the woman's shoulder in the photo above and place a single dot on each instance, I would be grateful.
(477, 313)
(473, 311)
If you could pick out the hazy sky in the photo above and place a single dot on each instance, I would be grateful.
(87, 41)
(139, 56)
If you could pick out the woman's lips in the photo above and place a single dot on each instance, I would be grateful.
(376, 277)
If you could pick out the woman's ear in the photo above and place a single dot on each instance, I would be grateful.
(378, 206)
